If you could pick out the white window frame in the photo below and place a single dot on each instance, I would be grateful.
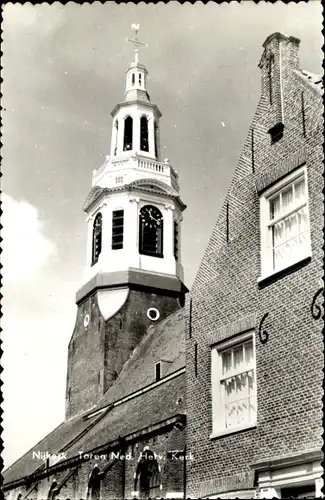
(218, 420)
(267, 268)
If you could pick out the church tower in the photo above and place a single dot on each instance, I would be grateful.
(133, 275)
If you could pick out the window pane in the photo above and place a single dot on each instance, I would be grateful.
(279, 256)
(300, 189)
(252, 409)
(290, 238)
(241, 386)
(230, 389)
(291, 226)
(238, 357)
(287, 198)
(248, 352)
(275, 207)
(278, 233)
(302, 219)
(226, 362)
(251, 382)
(291, 250)
(237, 413)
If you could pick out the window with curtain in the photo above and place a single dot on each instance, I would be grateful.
(285, 234)
(234, 385)
(97, 239)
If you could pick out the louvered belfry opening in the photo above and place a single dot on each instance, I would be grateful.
(151, 231)
(176, 239)
(117, 229)
(97, 239)
(128, 134)
(156, 132)
(116, 137)
(144, 141)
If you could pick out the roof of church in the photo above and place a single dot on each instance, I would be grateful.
(164, 341)
(53, 442)
(137, 95)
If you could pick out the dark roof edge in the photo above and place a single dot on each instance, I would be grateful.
(135, 394)
(131, 278)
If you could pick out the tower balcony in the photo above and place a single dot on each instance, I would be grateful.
(117, 172)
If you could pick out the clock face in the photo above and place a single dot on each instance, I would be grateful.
(151, 217)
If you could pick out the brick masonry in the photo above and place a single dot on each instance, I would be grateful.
(226, 291)
(108, 344)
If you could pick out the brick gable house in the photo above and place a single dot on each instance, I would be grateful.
(254, 346)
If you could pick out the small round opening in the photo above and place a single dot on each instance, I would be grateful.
(86, 320)
(153, 314)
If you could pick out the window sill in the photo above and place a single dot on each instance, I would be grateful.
(263, 280)
(226, 432)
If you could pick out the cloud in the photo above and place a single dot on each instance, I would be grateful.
(26, 249)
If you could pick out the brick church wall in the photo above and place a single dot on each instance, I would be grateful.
(108, 344)
(121, 475)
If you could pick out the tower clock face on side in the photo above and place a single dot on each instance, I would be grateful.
(151, 217)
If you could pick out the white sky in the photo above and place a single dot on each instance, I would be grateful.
(64, 70)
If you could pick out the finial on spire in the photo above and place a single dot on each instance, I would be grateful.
(136, 42)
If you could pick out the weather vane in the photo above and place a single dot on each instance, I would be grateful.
(136, 42)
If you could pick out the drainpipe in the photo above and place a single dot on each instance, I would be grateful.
(184, 471)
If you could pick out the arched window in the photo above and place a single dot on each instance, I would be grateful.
(151, 231)
(156, 141)
(52, 490)
(144, 144)
(116, 137)
(97, 238)
(133, 78)
(140, 79)
(147, 478)
(93, 487)
(128, 133)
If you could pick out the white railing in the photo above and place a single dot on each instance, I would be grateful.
(149, 165)
(163, 169)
